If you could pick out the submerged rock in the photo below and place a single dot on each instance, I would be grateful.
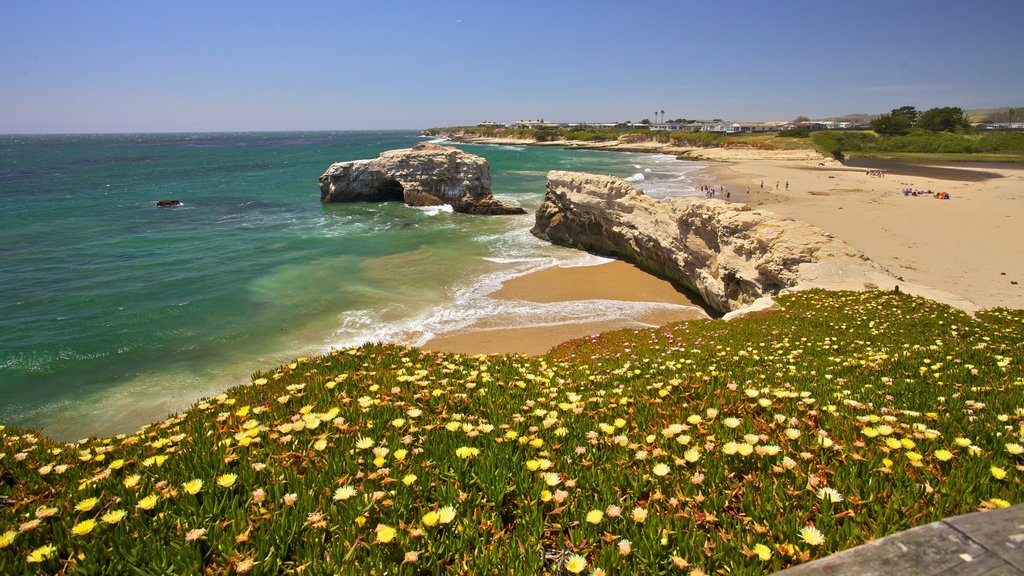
(727, 253)
(425, 175)
(168, 203)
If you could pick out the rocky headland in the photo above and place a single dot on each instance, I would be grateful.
(730, 255)
(425, 175)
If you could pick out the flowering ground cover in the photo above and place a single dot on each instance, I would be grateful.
(700, 448)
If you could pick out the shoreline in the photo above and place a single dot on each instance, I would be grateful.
(656, 303)
(963, 245)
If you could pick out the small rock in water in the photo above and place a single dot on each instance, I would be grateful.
(168, 203)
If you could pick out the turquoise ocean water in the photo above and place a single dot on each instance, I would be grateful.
(115, 313)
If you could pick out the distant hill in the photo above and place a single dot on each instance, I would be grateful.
(996, 114)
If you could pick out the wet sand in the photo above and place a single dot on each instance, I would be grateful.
(614, 280)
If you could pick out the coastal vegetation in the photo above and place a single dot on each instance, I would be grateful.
(1006, 146)
(704, 447)
(914, 143)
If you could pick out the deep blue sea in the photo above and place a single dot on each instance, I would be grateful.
(115, 313)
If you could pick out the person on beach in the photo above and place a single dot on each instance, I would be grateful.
(776, 184)
(762, 184)
(787, 184)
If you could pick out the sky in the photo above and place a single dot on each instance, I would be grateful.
(222, 65)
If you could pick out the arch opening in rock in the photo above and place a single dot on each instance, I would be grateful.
(390, 189)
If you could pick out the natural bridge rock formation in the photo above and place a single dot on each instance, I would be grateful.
(727, 253)
(424, 175)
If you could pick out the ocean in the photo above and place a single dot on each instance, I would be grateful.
(115, 313)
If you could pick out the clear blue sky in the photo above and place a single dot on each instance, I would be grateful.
(185, 65)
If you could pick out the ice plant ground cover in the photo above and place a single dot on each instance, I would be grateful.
(704, 447)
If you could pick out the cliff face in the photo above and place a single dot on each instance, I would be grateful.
(727, 253)
(424, 175)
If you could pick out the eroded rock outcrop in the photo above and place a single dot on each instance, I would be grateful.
(425, 175)
(727, 253)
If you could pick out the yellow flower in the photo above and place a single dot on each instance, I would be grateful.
(114, 516)
(446, 514)
(193, 486)
(132, 481)
(41, 554)
(660, 469)
(763, 552)
(401, 453)
(226, 480)
(409, 479)
(7, 538)
(692, 455)
(812, 536)
(595, 516)
(86, 505)
(998, 473)
(83, 527)
(385, 533)
(575, 563)
(1015, 449)
(148, 502)
(364, 443)
(344, 493)
(320, 445)
(943, 455)
(430, 518)
(466, 452)
(997, 502)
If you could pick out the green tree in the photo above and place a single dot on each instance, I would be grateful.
(645, 121)
(891, 124)
(909, 112)
(948, 119)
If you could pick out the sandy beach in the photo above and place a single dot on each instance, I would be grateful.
(966, 245)
(614, 280)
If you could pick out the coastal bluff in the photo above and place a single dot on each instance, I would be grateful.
(730, 255)
(425, 175)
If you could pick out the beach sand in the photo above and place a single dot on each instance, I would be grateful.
(614, 280)
(968, 245)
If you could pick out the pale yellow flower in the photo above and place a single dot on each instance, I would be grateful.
(41, 554)
(812, 536)
(226, 480)
(86, 505)
(114, 516)
(575, 563)
(446, 514)
(193, 486)
(660, 469)
(148, 502)
(430, 518)
(595, 516)
(83, 527)
(344, 493)
(763, 552)
(385, 533)
(639, 514)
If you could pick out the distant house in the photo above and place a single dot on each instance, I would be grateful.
(670, 127)
(755, 127)
(535, 125)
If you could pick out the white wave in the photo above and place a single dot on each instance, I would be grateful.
(441, 140)
(435, 210)
(638, 177)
